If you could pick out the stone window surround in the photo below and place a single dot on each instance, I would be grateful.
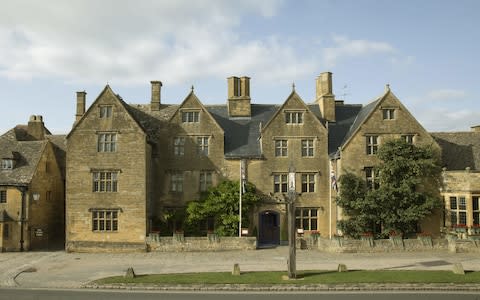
(281, 147)
(458, 210)
(370, 177)
(106, 111)
(179, 145)
(294, 116)
(105, 219)
(371, 142)
(308, 182)
(476, 209)
(107, 141)
(176, 181)
(306, 218)
(388, 113)
(280, 182)
(105, 181)
(203, 145)
(408, 138)
(190, 116)
(308, 147)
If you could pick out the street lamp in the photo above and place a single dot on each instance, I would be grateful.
(291, 197)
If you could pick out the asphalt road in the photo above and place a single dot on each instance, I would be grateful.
(30, 294)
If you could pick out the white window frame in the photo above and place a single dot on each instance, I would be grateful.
(202, 145)
(179, 145)
(7, 164)
(308, 182)
(107, 142)
(281, 148)
(280, 183)
(190, 116)
(458, 212)
(105, 181)
(176, 182)
(306, 218)
(388, 113)
(294, 117)
(371, 144)
(106, 111)
(206, 180)
(104, 220)
(308, 148)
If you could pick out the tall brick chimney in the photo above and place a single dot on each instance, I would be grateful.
(156, 91)
(36, 128)
(239, 97)
(325, 96)
(81, 96)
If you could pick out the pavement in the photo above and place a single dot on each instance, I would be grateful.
(59, 269)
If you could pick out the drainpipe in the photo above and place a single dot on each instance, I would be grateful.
(23, 190)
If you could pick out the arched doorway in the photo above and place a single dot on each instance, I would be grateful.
(269, 228)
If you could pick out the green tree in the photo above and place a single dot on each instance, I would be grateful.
(221, 203)
(409, 178)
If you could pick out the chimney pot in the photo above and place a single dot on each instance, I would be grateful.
(36, 128)
(81, 96)
(325, 96)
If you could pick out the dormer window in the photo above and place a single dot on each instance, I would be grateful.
(294, 117)
(106, 111)
(7, 164)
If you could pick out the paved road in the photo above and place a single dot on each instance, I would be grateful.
(19, 294)
(72, 270)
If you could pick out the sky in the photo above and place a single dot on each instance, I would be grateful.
(426, 50)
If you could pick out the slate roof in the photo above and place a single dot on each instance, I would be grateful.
(337, 131)
(242, 134)
(459, 149)
(27, 154)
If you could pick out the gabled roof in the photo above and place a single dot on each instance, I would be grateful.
(345, 115)
(459, 149)
(28, 156)
(362, 117)
(127, 107)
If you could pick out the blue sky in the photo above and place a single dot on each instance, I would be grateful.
(426, 50)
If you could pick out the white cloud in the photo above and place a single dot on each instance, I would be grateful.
(131, 42)
(446, 94)
(445, 119)
(345, 47)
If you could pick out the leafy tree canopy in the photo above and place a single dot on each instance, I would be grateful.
(408, 178)
(221, 203)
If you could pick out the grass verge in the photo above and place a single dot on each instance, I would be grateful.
(305, 277)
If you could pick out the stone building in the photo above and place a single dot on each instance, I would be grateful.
(461, 176)
(32, 184)
(130, 168)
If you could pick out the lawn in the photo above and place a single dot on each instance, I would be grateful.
(304, 277)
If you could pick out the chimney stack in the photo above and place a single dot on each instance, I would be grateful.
(156, 91)
(36, 128)
(81, 96)
(325, 96)
(239, 97)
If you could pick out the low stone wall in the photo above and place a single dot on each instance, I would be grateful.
(178, 243)
(368, 245)
(98, 247)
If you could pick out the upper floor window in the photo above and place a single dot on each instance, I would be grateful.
(190, 116)
(106, 111)
(205, 180)
(294, 117)
(105, 181)
(7, 164)
(104, 220)
(408, 138)
(306, 218)
(388, 113)
(458, 211)
(202, 145)
(176, 182)
(280, 183)
(107, 142)
(372, 144)
(307, 148)
(281, 149)
(308, 183)
(179, 146)
(371, 176)
(3, 196)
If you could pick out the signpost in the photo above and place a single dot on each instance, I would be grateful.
(291, 197)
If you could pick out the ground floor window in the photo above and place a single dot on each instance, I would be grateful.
(306, 218)
(104, 220)
(476, 210)
(458, 211)
(3, 196)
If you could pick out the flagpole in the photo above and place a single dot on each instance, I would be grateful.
(240, 201)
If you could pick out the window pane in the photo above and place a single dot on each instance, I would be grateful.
(453, 202)
(475, 202)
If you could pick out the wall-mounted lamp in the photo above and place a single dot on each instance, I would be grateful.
(36, 196)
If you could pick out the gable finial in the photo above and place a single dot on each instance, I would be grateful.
(293, 86)
(387, 87)
(192, 88)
